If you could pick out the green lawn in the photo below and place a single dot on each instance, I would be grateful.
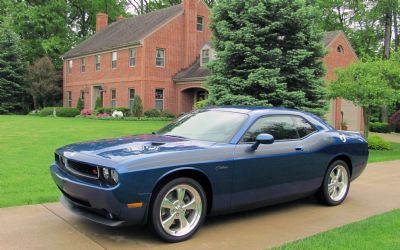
(377, 232)
(27, 144)
(385, 155)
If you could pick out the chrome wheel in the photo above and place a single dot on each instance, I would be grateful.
(338, 183)
(180, 210)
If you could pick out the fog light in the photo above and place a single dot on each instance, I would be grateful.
(106, 173)
(114, 175)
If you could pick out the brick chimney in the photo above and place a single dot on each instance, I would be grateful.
(190, 33)
(119, 18)
(101, 21)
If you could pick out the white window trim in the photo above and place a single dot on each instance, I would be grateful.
(202, 57)
(113, 99)
(83, 65)
(95, 63)
(112, 59)
(202, 24)
(164, 61)
(163, 99)
(70, 64)
(129, 62)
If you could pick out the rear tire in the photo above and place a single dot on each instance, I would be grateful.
(336, 184)
(178, 210)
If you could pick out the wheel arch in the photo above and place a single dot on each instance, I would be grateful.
(344, 157)
(192, 173)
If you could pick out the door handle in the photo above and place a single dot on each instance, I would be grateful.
(299, 148)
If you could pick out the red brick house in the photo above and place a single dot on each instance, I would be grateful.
(159, 56)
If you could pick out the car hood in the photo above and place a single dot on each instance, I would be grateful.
(128, 148)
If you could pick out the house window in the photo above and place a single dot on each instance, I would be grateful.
(200, 23)
(113, 98)
(205, 56)
(132, 57)
(83, 67)
(159, 97)
(82, 95)
(340, 49)
(69, 66)
(131, 93)
(113, 59)
(160, 57)
(69, 95)
(97, 62)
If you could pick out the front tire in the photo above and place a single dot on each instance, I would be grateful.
(336, 184)
(178, 210)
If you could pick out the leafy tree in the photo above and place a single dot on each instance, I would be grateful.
(137, 106)
(268, 54)
(82, 14)
(43, 82)
(79, 104)
(43, 28)
(369, 85)
(145, 6)
(12, 71)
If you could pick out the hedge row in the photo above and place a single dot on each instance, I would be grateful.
(59, 111)
(379, 127)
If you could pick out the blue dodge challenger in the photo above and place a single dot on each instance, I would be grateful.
(208, 162)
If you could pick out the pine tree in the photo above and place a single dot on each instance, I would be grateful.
(269, 53)
(137, 106)
(12, 72)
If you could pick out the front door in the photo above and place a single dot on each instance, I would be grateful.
(97, 92)
(273, 172)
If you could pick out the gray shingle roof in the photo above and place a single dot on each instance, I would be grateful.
(124, 32)
(192, 73)
(330, 36)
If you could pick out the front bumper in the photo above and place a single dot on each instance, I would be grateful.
(96, 203)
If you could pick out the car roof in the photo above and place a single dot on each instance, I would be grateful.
(252, 109)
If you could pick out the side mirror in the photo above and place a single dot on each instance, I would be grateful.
(262, 139)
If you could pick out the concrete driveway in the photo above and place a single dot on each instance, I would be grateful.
(50, 226)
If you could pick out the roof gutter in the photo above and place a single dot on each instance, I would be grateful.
(109, 49)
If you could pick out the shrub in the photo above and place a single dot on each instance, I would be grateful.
(378, 143)
(98, 104)
(59, 111)
(166, 113)
(86, 112)
(379, 127)
(395, 122)
(137, 106)
(104, 110)
(124, 110)
(200, 104)
(80, 105)
(152, 113)
(103, 115)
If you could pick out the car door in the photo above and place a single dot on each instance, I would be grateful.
(276, 171)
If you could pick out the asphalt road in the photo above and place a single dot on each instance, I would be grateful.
(50, 226)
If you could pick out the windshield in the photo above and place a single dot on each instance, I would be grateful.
(205, 125)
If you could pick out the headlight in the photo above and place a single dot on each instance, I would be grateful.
(114, 175)
(110, 175)
(106, 173)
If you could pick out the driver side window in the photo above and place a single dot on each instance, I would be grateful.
(280, 127)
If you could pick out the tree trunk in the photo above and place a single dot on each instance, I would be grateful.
(386, 55)
(396, 32)
(388, 35)
(34, 103)
(367, 112)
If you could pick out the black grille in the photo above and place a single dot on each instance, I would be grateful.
(77, 168)
(83, 169)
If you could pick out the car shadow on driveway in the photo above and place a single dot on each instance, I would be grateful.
(220, 229)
